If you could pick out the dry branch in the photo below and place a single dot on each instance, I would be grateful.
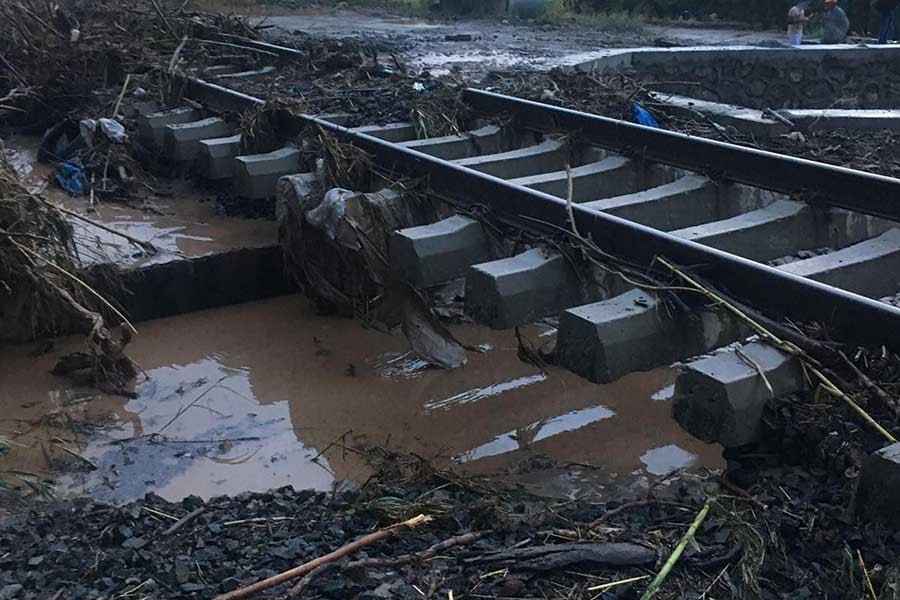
(366, 540)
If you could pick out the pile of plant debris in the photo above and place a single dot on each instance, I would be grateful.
(364, 80)
(43, 291)
(72, 57)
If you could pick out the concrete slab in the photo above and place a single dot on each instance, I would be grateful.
(517, 290)
(747, 120)
(783, 228)
(870, 268)
(392, 132)
(152, 127)
(181, 141)
(722, 398)
(485, 140)
(754, 122)
(833, 118)
(215, 159)
(549, 155)
(878, 498)
(256, 176)
(436, 253)
(611, 176)
(634, 331)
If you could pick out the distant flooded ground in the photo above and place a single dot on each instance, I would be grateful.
(266, 394)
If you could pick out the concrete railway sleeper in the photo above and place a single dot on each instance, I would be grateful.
(833, 256)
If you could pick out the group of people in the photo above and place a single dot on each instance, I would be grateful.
(835, 20)
(833, 16)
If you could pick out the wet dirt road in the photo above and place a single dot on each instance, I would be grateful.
(246, 397)
(478, 46)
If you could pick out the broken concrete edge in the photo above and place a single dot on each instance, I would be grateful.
(722, 398)
(185, 285)
(762, 124)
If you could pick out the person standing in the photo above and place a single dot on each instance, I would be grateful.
(836, 23)
(886, 9)
(796, 17)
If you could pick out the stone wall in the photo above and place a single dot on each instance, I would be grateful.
(816, 77)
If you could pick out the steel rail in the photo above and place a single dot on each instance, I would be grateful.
(862, 192)
(776, 292)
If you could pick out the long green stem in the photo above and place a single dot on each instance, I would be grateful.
(677, 552)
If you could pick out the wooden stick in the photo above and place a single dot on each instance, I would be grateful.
(115, 112)
(872, 386)
(365, 563)
(366, 540)
(676, 553)
(184, 521)
(866, 578)
(163, 17)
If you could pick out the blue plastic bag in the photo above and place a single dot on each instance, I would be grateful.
(642, 116)
(70, 177)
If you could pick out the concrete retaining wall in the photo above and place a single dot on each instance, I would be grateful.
(805, 77)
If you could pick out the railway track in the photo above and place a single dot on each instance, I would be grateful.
(639, 193)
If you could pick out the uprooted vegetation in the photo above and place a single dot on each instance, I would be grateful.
(73, 57)
(43, 288)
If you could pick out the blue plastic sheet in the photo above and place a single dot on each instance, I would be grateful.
(70, 177)
(642, 116)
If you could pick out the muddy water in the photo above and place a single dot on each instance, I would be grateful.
(246, 397)
(180, 220)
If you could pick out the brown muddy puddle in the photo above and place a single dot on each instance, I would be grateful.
(246, 397)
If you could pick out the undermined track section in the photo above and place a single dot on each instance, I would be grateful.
(531, 182)
(794, 238)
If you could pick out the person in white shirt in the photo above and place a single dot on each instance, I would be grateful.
(796, 17)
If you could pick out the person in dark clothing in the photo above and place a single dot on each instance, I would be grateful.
(886, 9)
(836, 23)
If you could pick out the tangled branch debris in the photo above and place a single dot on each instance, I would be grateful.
(56, 57)
(41, 289)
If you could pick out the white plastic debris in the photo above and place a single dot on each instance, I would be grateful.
(113, 130)
(109, 128)
(418, 87)
(329, 213)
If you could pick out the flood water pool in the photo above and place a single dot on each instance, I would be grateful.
(266, 394)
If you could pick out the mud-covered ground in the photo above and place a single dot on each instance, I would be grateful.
(474, 47)
(784, 521)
